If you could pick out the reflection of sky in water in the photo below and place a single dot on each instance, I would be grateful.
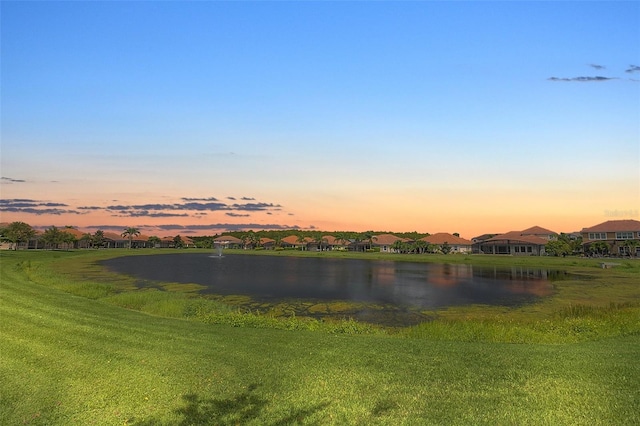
(270, 278)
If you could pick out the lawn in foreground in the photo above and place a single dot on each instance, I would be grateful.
(69, 360)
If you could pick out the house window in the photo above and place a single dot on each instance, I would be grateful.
(529, 249)
(597, 235)
(624, 235)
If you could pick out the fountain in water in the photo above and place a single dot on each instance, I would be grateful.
(217, 249)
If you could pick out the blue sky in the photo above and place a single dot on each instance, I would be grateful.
(433, 116)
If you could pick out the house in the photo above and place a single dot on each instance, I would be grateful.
(333, 243)
(267, 243)
(456, 244)
(228, 241)
(296, 242)
(529, 242)
(477, 242)
(620, 237)
(386, 241)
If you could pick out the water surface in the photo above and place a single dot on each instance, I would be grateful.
(382, 286)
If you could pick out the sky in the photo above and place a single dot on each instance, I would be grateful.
(194, 118)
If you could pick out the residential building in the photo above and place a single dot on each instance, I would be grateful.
(456, 244)
(621, 237)
(386, 241)
(530, 242)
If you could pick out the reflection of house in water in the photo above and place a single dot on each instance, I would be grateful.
(449, 275)
(520, 279)
(384, 274)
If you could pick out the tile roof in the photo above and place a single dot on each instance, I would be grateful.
(293, 240)
(615, 226)
(517, 236)
(444, 237)
(538, 230)
(228, 239)
(387, 239)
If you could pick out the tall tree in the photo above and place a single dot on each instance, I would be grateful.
(369, 237)
(397, 246)
(302, 240)
(557, 248)
(98, 238)
(154, 241)
(319, 239)
(130, 233)
(52, 237)
(631, 247)
(18, 232)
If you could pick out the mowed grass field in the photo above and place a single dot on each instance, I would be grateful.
(68, 359)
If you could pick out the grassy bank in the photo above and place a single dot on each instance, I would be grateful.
(72, 360)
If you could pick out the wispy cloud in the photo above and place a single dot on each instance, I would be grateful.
(28, 206)
(199, 199)
(582, 79)
(187, 207)
(5, 179)
(146, 213)
(153, 210)
(597, 78)
(218, 227)
(256, 206)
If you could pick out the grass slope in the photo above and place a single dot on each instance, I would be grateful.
(67, 360)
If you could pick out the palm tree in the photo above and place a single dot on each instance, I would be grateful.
(397, 246)
(342, 238)
(631, 247)
(302, 240)
(421, 246)
(130, 233)
(369, 237)
(319, 239)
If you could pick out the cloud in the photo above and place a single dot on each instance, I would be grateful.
(4, 179)
(596, 66)
(582, 79)
(146, 213)
(189, 206)
(27, 206)
(256, 206)
(217, 227)
(633, 68)
(203, 206)
(199, 199)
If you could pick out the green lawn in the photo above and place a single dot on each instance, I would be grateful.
(67, 360)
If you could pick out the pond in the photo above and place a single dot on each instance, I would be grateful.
(378, 291)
